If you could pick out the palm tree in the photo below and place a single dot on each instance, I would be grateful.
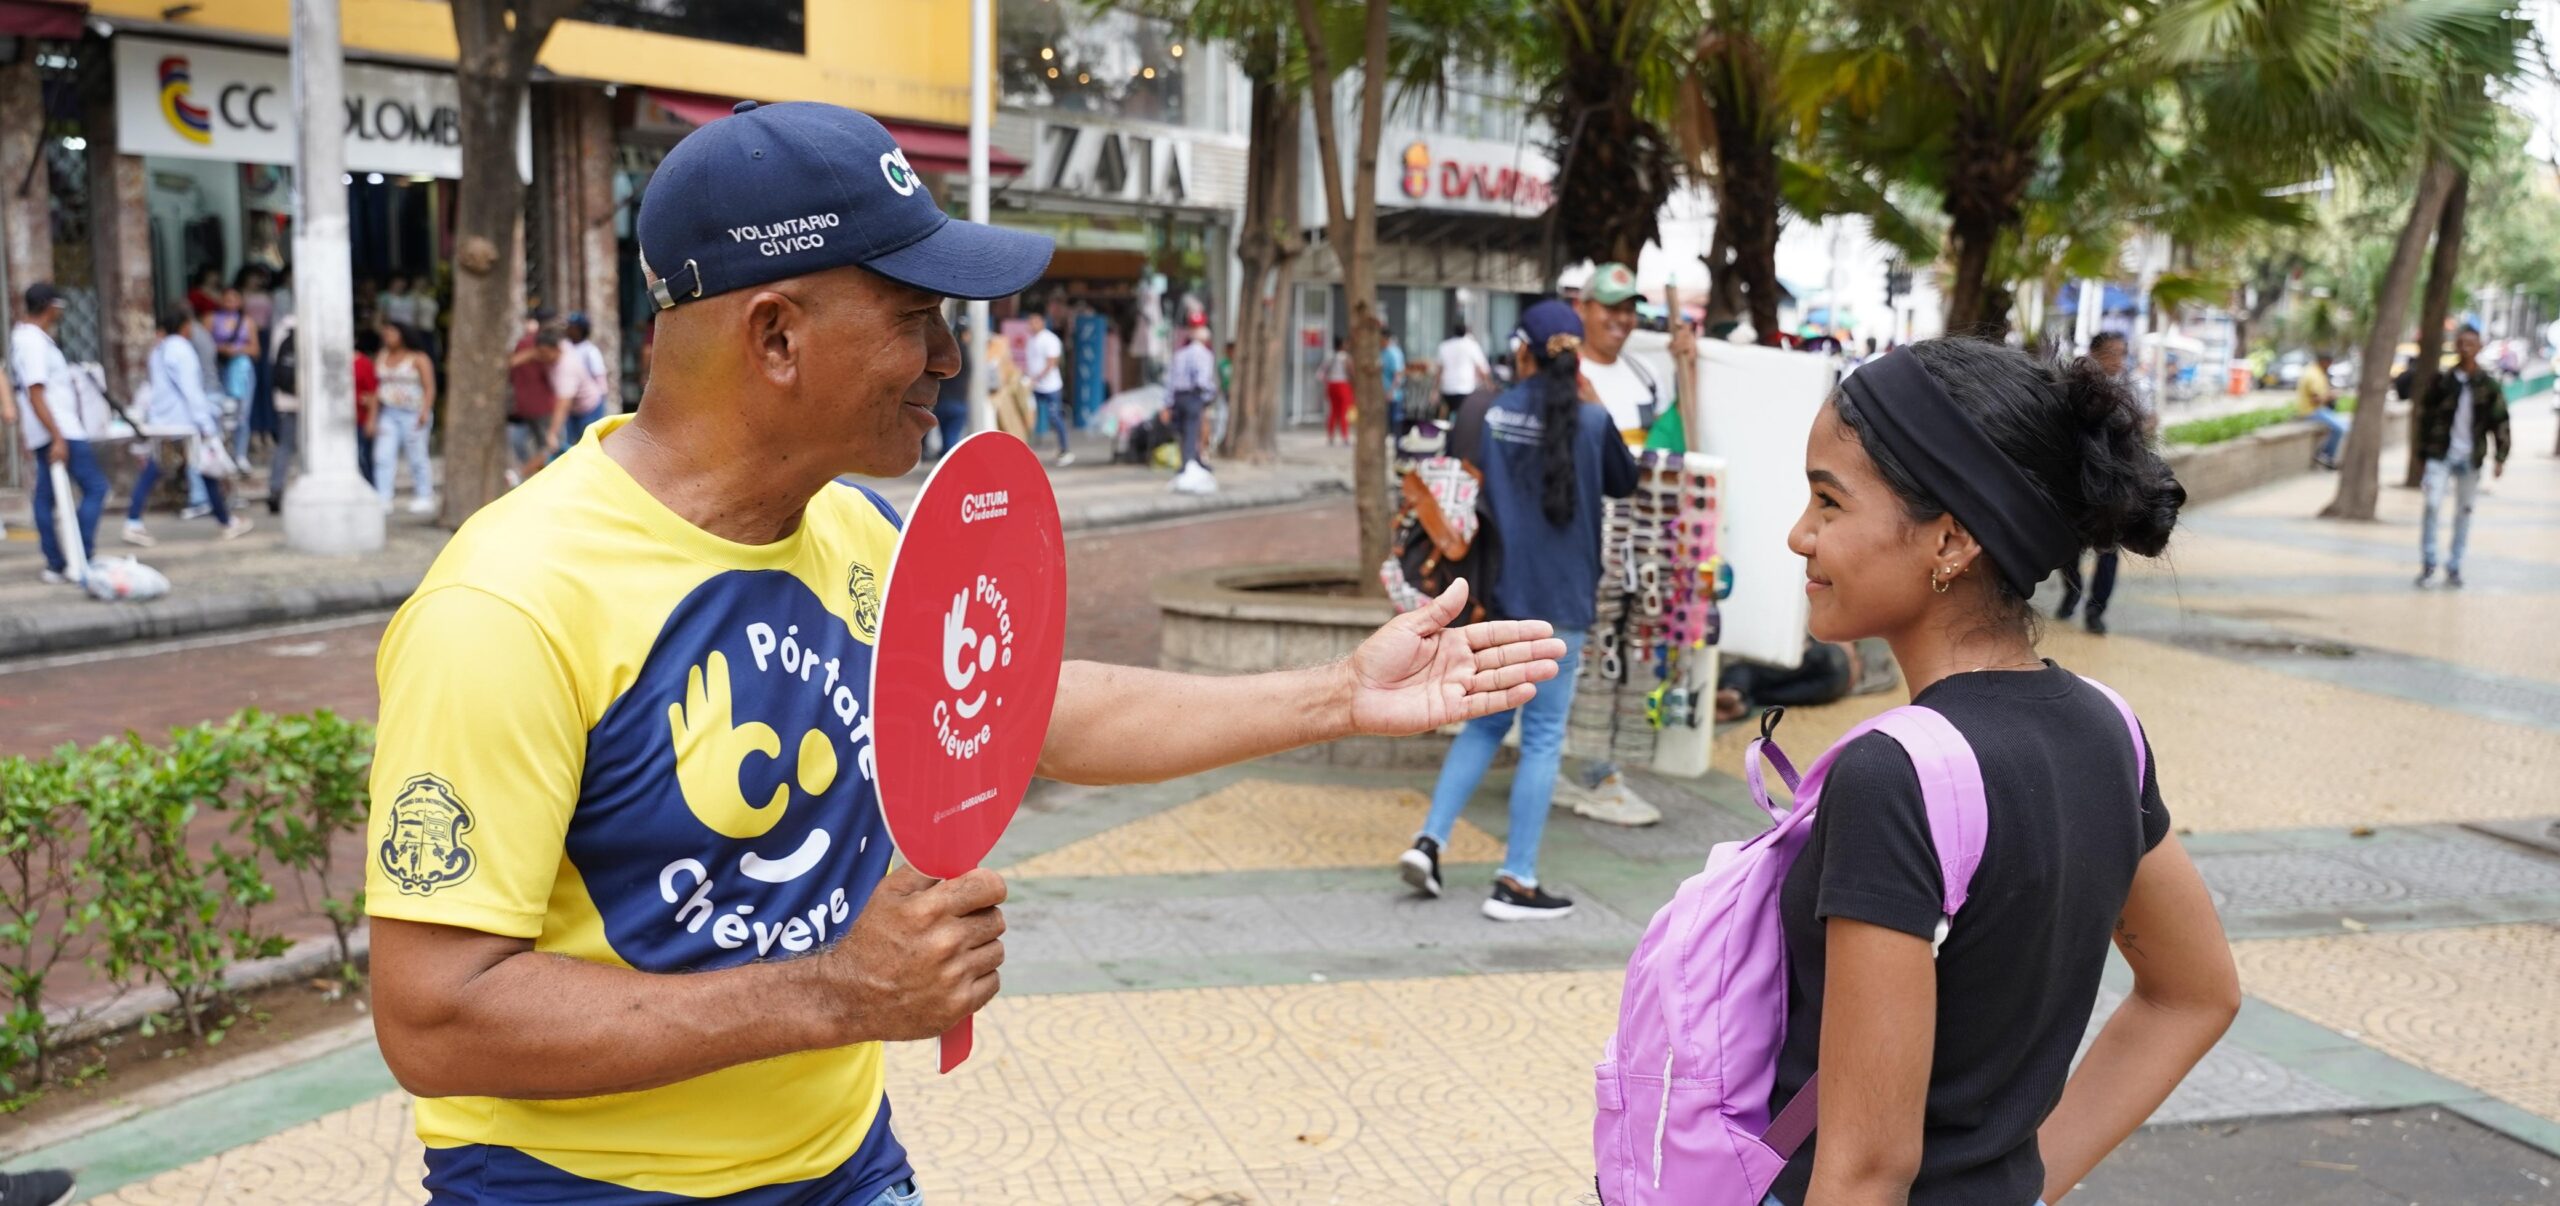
(1612, 72)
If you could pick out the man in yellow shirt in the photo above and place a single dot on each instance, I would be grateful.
(636, 935)
(2315, 400)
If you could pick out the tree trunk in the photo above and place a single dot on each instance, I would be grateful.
(1967, 303)
(2360, 465)
(1266, 252)
(1750, 188)
(498, 42)
(2437, 301)
(1351, 221)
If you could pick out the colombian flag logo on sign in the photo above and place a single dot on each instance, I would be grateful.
(191, 123)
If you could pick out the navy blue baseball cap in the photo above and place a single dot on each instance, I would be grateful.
(779, 191)
(1541, 323)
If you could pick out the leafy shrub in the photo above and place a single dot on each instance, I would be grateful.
(300, 783)
(164, 915)
(41, 909)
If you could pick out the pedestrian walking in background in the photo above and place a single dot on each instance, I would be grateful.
(177, 399)
(403, 418)
(1046, 358)
(951, 394)
(396, 303)
(287, 374)
(2314, 399)
(368, 397)
(578, 381)
(2107, 351)
(1462, 367)
(235, 352)
(50, 418)
(1947, 480)
(1391, 372)
(2462, 417)
(204, 294)
(530, 400)
(1191, 383)
(1548, 458)
(1337, 393)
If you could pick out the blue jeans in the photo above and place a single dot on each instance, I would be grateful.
(952, 416)
(1053, 411)
(2462, 478)
(2337, 425)
(204, 487)
(904, 1193)
(1533, 785)
(90, 481)
(396, 429)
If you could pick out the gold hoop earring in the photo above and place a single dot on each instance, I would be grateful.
(1936, 584)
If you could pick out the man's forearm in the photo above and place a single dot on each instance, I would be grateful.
(543, 1026)
(1126, 724)
(43, 413)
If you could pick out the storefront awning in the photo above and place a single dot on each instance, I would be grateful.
(55, 19)
(930, 148)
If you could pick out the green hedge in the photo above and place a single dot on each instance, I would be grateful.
(2233, 426)
(94, 845)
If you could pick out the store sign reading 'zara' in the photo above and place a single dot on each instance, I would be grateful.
(189, 100)
(1114, 165)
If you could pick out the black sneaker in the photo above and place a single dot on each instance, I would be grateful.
(2453, 579)
(2097, 625)
(1510, 903)
(1421, 866)
(2426, 576)
(43, 1187)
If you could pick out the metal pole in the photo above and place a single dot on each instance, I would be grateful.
(329, 508)
(982, 39)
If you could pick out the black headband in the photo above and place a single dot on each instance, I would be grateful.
(1911, 415)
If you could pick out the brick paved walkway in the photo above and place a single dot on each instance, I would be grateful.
(1217, 991)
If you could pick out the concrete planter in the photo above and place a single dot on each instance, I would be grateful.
(2269, 454)
(1252, 618)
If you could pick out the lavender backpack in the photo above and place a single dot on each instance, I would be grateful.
(1684, 1084)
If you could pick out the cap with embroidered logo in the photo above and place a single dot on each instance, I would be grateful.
(1612, 284)
(786, 190)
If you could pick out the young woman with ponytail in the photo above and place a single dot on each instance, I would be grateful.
(1549, 453)
(1948, 479)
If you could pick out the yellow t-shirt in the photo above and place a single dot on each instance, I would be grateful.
(2313, 391)
(632, 742)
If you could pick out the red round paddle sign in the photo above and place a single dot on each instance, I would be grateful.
(966, 668)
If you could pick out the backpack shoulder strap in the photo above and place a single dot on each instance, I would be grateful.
(2133, 728)
(1959, 820)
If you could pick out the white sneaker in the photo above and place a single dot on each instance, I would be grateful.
(238, 527)
(423, 505)
(1195, 478)
(135, 536)
(55, 578)
(1612, 801)
(1064, 459)
(195, 512)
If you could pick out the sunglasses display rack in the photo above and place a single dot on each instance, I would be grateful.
(1646, 695)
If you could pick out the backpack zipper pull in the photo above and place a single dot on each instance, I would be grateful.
(1662, 1119)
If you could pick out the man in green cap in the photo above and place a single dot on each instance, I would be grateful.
(1635, 398)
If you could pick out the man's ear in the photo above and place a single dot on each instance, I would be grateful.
(774, 323)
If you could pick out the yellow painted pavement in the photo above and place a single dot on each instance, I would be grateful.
(2476, 1005)
(1261, 825)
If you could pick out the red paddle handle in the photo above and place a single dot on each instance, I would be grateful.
(955, 1044)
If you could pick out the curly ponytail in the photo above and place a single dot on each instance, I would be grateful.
(1559, 388)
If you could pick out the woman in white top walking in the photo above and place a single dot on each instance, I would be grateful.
(407, 391)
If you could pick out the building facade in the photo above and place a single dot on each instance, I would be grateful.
(170, 139)
(1134, 150)
(1462, 183)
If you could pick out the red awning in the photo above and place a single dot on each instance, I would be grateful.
(929, 148)
(55, 19)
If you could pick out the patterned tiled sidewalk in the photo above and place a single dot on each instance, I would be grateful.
(1217, 993)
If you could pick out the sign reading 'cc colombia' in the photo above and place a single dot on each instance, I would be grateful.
(188, 100)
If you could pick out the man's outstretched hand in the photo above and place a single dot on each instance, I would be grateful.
(1417, 673)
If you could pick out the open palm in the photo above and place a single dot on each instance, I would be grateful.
(1417, 673)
